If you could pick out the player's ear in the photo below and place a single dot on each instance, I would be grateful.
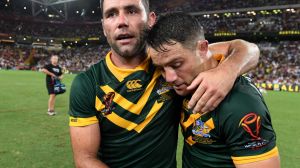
(103, 28)
(152, 19)
(202, 48)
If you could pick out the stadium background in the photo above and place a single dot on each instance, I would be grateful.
(33, 29)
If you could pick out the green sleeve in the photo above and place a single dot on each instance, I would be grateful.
(246, 123)
(82, 101)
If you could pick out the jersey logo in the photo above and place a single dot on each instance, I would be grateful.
(164, 90)
(134, 85)
(251, 123)
(55, 70)
(201, 132)
(200, 129)
(108, 99)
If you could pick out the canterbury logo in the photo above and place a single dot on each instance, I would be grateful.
(134, 84)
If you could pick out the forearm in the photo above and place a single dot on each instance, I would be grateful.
(48, 73)
(242, 57)
(85, 143)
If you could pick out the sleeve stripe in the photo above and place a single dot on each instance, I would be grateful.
(250, 159)
(81, 122)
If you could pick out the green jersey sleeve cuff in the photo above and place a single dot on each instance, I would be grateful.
(81, 122)
(249, 159)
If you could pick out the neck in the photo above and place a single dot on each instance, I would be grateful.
(128, 62)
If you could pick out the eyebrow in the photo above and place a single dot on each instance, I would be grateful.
(132, 7)
(168, 63)
(110, 10)
(128, 7)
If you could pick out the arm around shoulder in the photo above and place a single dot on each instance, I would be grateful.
(241, 56)
(214, 84)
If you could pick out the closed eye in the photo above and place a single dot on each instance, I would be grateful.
(176, 65)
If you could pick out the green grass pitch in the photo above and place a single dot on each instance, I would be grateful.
(29, 138)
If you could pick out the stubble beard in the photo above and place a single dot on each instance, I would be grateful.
(139, 49)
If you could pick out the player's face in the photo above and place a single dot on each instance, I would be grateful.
(54, 60)
(179, 66)
(125, 23)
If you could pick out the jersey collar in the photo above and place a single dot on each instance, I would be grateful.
(219, 57)
(122, 73)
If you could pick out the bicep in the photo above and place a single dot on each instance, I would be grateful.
(241, 46)
(273, 162)
(85, 141)
(220, 48)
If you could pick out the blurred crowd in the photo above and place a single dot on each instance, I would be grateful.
(214, 5)
(251, 22)
(76, 59)
(70, 59)
(50, 30)
(10, 58)
(279, 61)
(237, 22)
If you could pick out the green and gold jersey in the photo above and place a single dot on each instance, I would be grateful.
(137, 111)
(238, 131)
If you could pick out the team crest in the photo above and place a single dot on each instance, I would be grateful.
(201, 132)
(164, 90)
(108, 99)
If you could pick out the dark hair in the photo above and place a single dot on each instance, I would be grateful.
(175, 27)
(145, 3)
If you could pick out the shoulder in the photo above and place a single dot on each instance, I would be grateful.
(244, 106)
(243, 97)
(82, 96)
(82, 81)
(87, 81)
(243, 103)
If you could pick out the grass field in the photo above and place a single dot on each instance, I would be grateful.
(29, 138)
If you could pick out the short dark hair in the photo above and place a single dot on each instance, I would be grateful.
(145, 3)
(171, 28)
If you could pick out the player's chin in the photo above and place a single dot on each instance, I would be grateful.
(127, 50)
